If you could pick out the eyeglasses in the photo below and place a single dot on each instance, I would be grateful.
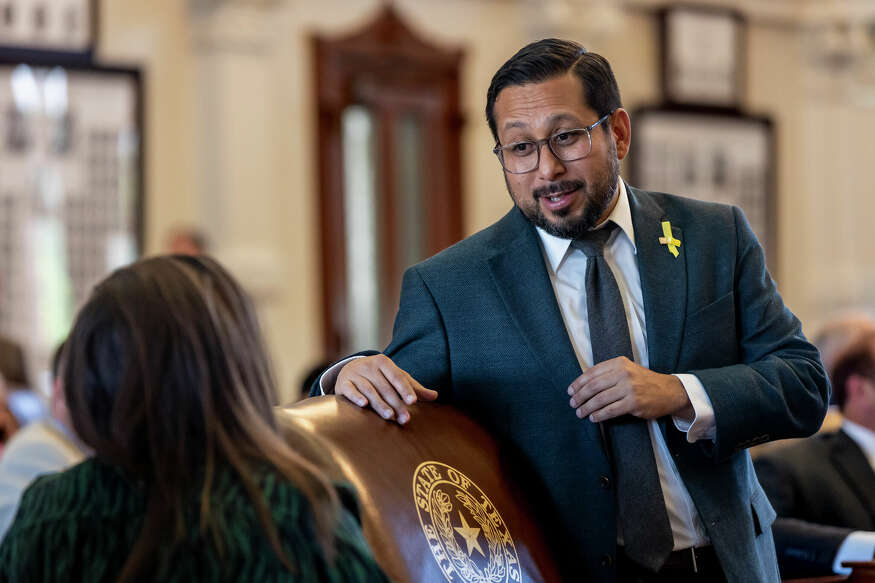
(567, 146)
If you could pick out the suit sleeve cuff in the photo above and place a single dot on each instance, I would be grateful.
(702, 426)
(329, 377)
(859, 546)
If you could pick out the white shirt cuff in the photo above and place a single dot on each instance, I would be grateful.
(859, 546)
(329, 377)
(702, 426)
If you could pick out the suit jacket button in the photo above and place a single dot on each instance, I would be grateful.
(604, 482)
(607, 560)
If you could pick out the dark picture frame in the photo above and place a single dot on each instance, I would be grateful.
(56, 31)
(703, 55)
(45, 60)
(91, 151)
(713, 155)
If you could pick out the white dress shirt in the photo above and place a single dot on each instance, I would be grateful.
(567, 269)
(860, 544)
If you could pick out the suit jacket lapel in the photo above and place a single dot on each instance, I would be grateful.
(853, 465)
(520, 275)
(663, 281)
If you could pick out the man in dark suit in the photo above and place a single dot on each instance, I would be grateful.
(625, 346)
(823, 488)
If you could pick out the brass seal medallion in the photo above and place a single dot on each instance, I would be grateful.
(465, 532)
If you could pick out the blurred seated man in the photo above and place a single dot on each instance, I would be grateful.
(8, 424)
(186, 240)
(823, 488)
(43, 447)
(25, 405)
(21, 400)
(12, 363)
(834, 338)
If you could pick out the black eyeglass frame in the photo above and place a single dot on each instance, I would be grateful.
(498, 150)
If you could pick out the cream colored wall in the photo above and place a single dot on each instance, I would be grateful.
(826, 179)
(154, 36)
(230, 142)
(247, 175)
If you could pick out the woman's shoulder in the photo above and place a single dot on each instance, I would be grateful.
(353, 560)
(90, 505)
(88, 488)
(287, 504)
(286, 498)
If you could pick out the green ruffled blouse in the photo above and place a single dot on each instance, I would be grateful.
(81, 524)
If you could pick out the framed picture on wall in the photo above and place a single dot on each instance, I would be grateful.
(703, 55)
(718, 156)
(65, 28)
(71, 181)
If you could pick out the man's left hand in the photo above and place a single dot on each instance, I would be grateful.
(619, 387)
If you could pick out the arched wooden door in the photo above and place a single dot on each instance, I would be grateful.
(389, 170)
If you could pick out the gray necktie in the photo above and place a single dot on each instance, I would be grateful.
(647, 536)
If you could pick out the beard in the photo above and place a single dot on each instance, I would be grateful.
(597, 196)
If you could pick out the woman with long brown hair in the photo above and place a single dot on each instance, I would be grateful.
(167, 379)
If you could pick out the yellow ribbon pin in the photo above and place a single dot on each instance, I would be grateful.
(668, 239)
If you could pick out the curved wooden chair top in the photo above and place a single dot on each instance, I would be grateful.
(438, 500)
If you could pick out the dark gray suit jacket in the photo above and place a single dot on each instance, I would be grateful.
(480, 324)
(822, 488)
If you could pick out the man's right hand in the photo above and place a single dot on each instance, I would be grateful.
(375, 380)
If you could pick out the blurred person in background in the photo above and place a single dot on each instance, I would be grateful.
(22, 401)
(42, 447)
(834, 337)
(184, 240)
(831, 340)
(192, 479)
(823, 488)
(8, 424)
(12, 363)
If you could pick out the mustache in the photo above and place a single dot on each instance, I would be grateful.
(557, 187)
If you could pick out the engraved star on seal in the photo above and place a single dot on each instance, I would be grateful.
(471, 536)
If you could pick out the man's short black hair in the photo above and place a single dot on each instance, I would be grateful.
(858, 359)
(551, 57)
